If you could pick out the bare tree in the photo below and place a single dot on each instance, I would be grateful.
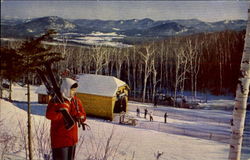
(134, 64)
(119, 59)
(107, 59)
(154, 71)
(162, 49)
(99, 149)
(85, 60)
(127, 57)
(147, 59)
(12, 45)
(242, 92)
(98, 58)
(42, 137)
(7, 141)
(194, 57)
(68, 62)
(180, 68)
(1, 90)
(168, 67)
(23, 137)
(112, 59)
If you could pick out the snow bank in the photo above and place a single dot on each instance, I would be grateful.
(127, 142)
(11, 115)
(143, 144)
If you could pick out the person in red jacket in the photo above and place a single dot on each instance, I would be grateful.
(63, 141)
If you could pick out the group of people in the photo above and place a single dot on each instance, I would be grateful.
(150, 114)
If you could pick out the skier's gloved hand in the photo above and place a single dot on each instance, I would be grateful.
(63, 106)
(80, 119)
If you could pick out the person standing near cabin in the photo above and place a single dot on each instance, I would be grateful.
(138, 112)
(63, 141)
(165, 117)
(123, 104)
(151, 117)
(145, 113)
(155, 100)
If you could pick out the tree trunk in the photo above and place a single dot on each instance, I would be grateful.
(134, 80)
(29, 122)
(242, 91)
(161, 65)
(144, 88)
(10, 91)
(148, 63)
(196, 74)
(134, 71)
(1, 87)
(154, 82)
(220, 70)
(177, 70)
(167, 68)
(118, 70)
(128, 64)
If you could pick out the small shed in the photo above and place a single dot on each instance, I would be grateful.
(43, 96)
(102, 96)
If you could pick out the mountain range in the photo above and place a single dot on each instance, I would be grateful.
(17, 28)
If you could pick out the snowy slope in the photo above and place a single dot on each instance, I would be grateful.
(141, 142)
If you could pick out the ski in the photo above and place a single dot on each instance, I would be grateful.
(54, 91)
(45, 82)
(53, 81)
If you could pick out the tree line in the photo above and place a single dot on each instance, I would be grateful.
(206, 62)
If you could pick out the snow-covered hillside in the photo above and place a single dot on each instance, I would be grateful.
(179, 139)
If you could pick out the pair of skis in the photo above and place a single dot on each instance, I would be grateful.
(54, 91)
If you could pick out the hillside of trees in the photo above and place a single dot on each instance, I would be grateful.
(207, 62)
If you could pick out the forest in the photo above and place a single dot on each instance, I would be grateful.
(206, 62)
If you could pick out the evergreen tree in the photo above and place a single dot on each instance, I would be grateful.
(19, 62)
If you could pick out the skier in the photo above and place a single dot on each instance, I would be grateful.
(150, 116)
(165, 117)
(138, 112)
(155, 100)
(63, 141)
(145, 113)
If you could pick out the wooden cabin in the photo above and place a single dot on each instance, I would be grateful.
(43, 97)
(102, 96)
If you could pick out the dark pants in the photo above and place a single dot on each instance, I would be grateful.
(65, 153)
(151, 118)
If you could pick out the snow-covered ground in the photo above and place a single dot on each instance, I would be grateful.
(96, 38)
(187, 135)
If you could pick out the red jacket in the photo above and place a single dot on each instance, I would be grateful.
(60, 136)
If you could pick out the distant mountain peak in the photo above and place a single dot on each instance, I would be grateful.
(169, 25)
(130, 27)
(147, 20)
(229, 21)
(53, 22)
(48, 18)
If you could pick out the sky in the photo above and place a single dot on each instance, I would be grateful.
(121, 10)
